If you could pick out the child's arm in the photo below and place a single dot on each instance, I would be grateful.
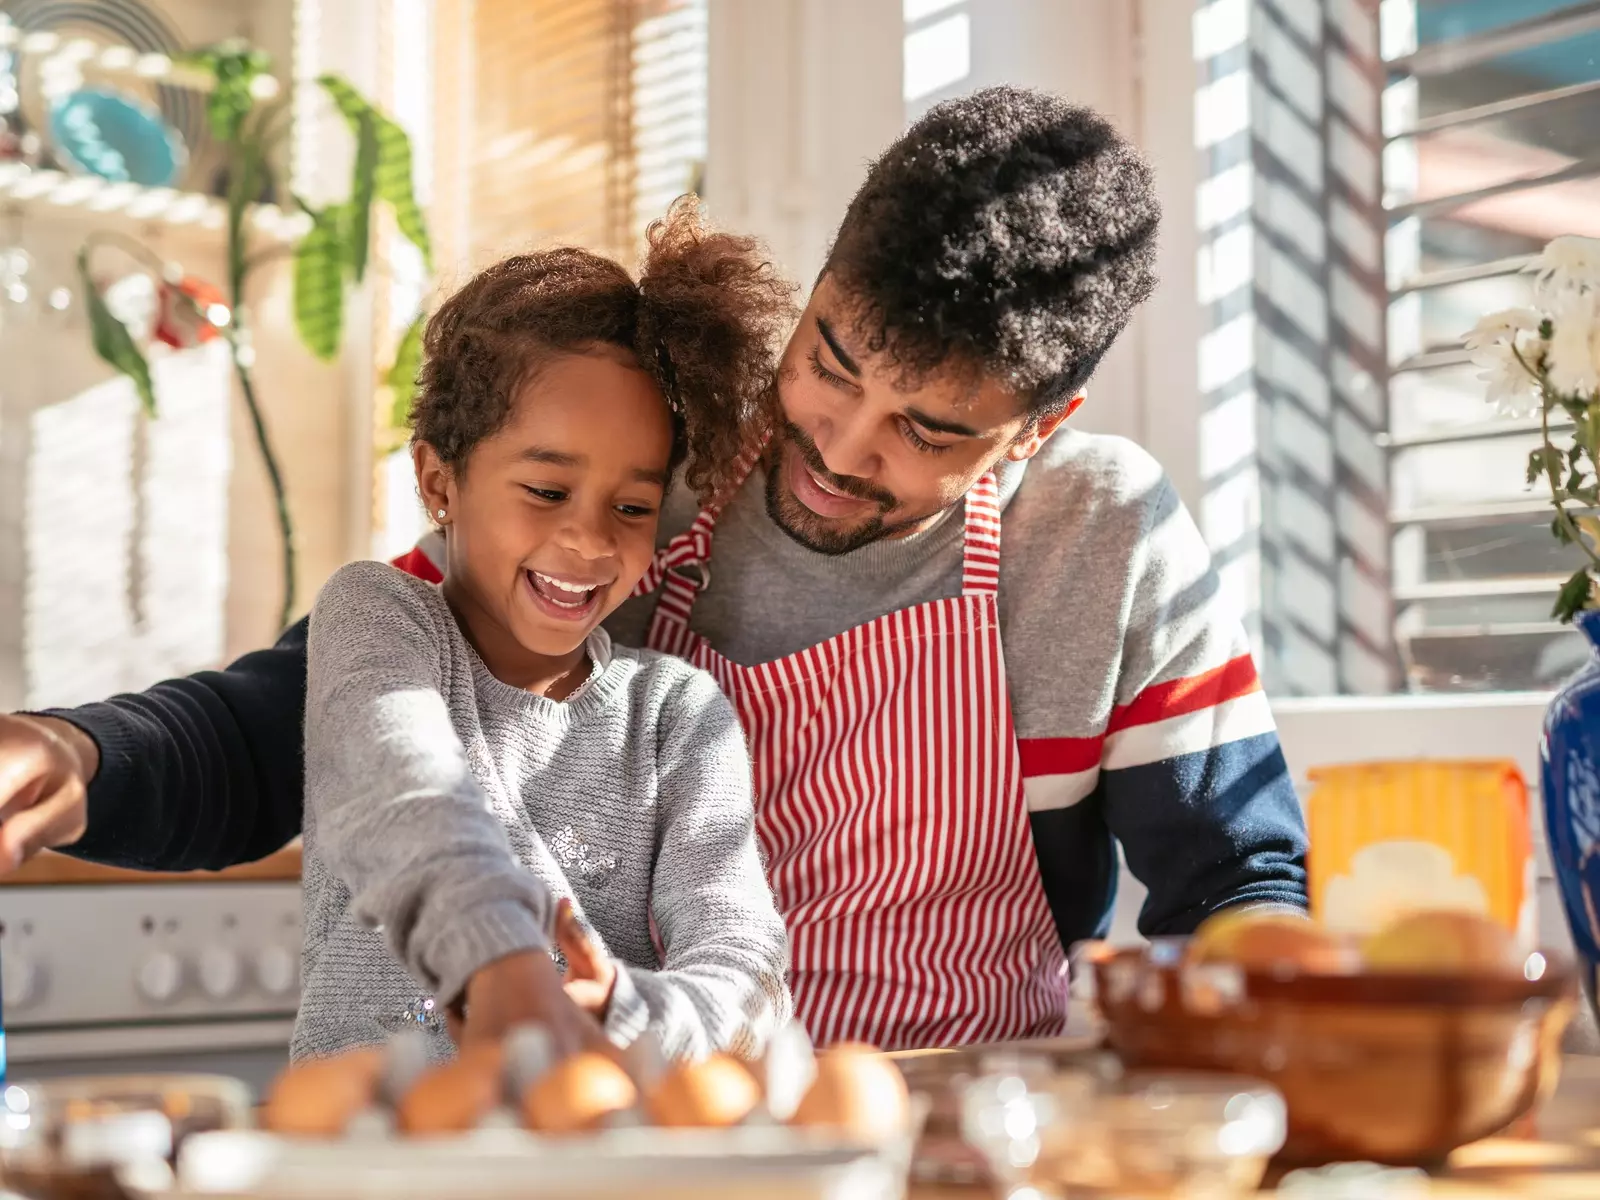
(722, 983)
(395, 811)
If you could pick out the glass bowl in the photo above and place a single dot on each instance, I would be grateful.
(1179, 1135)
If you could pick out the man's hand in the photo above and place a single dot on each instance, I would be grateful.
(525, 989)
(45, 769)
(590, 974)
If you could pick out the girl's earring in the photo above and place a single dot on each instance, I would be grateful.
(441, 514)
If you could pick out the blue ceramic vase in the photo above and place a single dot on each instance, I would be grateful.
(1569, 758)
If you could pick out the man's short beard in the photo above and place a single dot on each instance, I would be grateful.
(806, 527)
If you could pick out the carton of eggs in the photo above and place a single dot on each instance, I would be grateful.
(850, 1092)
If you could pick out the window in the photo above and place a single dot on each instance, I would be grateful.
(1375, 177)
(552, 121)
(937, 56)
(1494, 120)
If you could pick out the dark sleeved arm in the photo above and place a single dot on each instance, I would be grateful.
(202, 772)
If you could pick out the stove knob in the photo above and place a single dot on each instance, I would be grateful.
(21, 981)
(220, 972)
(277, 970)
(160, 977)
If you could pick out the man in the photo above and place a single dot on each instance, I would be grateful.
(972, 650)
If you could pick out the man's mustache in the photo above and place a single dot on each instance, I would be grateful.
(849, 485)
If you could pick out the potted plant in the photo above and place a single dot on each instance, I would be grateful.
(249, 123)
(1544, 360)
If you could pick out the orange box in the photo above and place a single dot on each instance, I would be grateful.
(1388, 837)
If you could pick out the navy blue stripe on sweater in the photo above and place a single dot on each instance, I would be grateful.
(1201, 831)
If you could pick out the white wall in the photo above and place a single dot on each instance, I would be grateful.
(802, 95)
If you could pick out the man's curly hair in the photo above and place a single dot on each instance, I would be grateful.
(706, 320)
(1006, 234)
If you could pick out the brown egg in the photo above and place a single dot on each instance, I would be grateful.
(1444, 941)
(1286, 941)
(577, 1094)
(319, 1097)
(717, 1092)
(858, 1092)
(455, 1096)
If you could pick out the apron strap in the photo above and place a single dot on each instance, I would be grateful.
(980, 561)
(692, 547)
(980, 558)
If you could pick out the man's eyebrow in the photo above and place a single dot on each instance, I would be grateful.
(936, 425)
(839, 352)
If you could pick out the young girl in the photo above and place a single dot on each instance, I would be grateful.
(477, 752)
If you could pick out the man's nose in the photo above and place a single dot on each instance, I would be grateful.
(846, 446)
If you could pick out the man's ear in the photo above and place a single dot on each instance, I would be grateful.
(435, 482)
(1038, 432)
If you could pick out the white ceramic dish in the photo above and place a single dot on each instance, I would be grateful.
(775, 1162)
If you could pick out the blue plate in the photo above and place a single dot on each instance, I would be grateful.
(116, 137)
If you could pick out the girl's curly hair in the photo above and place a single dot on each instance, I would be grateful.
(705, 319)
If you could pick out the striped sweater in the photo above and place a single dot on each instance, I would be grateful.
(1139, 715)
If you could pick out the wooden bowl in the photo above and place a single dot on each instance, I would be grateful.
(1388, 1068)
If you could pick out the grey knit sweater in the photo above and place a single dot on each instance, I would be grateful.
(446, 812)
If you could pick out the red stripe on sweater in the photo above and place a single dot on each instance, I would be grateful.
(415, 562)
(1058, 756)
(1180, 697)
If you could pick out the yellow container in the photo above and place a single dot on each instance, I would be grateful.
(1391, 837)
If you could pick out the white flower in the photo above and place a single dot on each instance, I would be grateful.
(1568, 264)
(1493, 345)
(1574, 354)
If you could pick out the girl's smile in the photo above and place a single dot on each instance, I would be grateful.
(551, 520)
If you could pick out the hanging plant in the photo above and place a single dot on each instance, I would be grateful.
(335, 250)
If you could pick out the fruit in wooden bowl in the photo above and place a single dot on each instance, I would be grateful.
(1264, 940)
(1400, 1060)
(1442, 940)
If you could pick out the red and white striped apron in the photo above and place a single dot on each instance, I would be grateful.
(890, 810)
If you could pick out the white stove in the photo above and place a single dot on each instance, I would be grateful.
(186, 975)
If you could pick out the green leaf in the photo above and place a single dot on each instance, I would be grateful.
(233, 67)
(1587, 432)
(1574, 595)
(319, 283)
(393, 175)
(1535, 465)
(402, 376)
(1558, 530)
(358, 227)
(112, 341)
(1574, 480)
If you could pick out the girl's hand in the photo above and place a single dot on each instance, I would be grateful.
(590, 974)
(523, 989)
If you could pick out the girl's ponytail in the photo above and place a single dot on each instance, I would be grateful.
(713, 314)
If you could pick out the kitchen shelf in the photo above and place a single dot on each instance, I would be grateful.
(44, 193)
(38, 193)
